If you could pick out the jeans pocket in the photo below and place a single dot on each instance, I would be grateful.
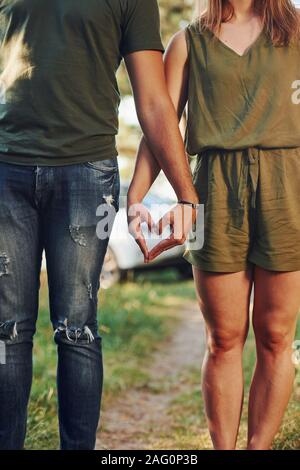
(108, 165)
(105, 175)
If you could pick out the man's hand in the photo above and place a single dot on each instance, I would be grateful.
(137, 214)
(180, 219)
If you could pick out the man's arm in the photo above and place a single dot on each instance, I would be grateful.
(149, 162)
(159, 120)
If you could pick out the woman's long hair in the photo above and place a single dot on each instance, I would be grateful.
(280, 17)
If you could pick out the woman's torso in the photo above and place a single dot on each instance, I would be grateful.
(236, 101)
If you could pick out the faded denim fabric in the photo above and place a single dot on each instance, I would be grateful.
(53, 208)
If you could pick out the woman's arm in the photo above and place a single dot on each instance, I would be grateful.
(145, 173)
(148, 165)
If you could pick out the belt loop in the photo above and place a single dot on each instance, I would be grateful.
(252, 155)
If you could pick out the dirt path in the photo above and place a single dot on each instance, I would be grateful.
(137, 413)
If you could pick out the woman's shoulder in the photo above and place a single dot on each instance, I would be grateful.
(196, 34)
(182, 40)
(178, 44)
(194, 27)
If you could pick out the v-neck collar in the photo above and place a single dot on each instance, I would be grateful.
(230, 49)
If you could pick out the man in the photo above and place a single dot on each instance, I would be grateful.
(58, 121)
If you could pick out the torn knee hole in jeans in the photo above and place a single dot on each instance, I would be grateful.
(73, 333)
(4, 262)
(77, 235)
(8, 330)
(90, 291)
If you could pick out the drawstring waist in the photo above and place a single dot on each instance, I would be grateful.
(250, 171)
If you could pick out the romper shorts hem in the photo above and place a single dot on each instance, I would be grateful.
(280, 266)
(216, 267)
(196, 261)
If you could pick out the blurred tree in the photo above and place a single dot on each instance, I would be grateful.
(174, 15)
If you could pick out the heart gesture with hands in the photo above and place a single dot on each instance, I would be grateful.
(179, 219)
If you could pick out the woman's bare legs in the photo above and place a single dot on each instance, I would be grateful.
(224, 301)
(276, 304)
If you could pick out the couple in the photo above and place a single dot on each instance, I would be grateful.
(58, 163)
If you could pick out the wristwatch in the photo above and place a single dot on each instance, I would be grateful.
(187, 203)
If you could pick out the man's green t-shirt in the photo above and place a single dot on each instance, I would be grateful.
(59, 96)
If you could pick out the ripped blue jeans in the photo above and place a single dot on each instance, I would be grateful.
(54, 209)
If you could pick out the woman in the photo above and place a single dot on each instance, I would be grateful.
(237, 68)
(59, 186)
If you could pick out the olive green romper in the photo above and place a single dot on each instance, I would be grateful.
(244, 127)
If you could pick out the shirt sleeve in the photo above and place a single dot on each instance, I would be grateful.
(141, 27)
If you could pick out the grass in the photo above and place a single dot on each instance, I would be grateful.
(135, 319)
(189, 431)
